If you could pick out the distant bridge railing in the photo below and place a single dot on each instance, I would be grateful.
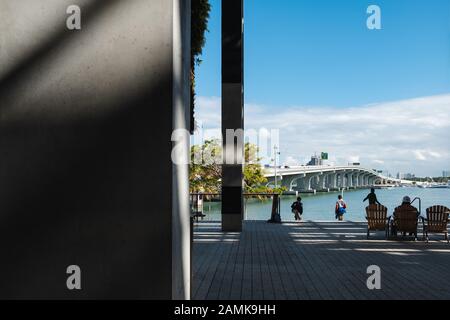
(327, 176)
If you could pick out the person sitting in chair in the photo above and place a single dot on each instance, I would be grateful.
(406, 203)
(405, 207)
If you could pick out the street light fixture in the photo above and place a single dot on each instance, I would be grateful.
(276, 153)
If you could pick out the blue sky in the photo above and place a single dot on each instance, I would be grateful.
(302, 54)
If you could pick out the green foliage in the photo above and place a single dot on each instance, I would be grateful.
(206, 171)
(254, 180)
(200, 10)
(205, 174)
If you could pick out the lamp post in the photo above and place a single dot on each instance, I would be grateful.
(276, 153)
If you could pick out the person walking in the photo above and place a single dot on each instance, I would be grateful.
(297, 209)
(340, 209)
(372, 197)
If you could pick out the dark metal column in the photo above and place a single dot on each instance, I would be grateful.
(232, 114)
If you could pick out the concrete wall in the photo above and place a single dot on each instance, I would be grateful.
(86, 177)
(181, 235)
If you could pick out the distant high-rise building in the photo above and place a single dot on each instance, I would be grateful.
(315, 161)
(446, 173)
(405, 176)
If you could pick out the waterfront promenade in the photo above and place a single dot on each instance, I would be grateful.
(314, 260)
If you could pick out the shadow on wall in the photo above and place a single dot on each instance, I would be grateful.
(91, 10)
(93, 191)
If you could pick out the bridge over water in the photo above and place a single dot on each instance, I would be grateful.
(329, 178)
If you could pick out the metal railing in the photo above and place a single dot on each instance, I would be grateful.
(197, 202)
(420, 204)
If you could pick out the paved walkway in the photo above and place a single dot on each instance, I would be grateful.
(315, 260)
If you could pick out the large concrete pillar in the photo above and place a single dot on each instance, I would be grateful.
(232, 114)
(86, 173)
(181, 121)
(312, 182)
(361, 179)
(332, 181)
(306, 183)
(358, 179)
(366, 180)
(300, 180)
(350, 179)
(322, 181)
(342, 180)
(287, 182)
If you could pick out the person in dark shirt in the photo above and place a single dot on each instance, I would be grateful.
(372, 197)
(297, 209)
(405, 207)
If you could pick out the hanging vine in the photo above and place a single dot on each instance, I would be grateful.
(200, 10)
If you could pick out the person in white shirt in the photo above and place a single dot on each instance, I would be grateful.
(341, 208)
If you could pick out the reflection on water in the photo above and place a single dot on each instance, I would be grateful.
(321, 207)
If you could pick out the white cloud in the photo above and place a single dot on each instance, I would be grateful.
(419, 155)
(353, 159)
(424, 155)
(207, 112)
(291, 161)
(407, 136)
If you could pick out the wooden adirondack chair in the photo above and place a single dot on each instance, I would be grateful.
(436, 221)
(405, 220)
(377, 219)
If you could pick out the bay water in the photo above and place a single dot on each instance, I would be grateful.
(320, 207)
